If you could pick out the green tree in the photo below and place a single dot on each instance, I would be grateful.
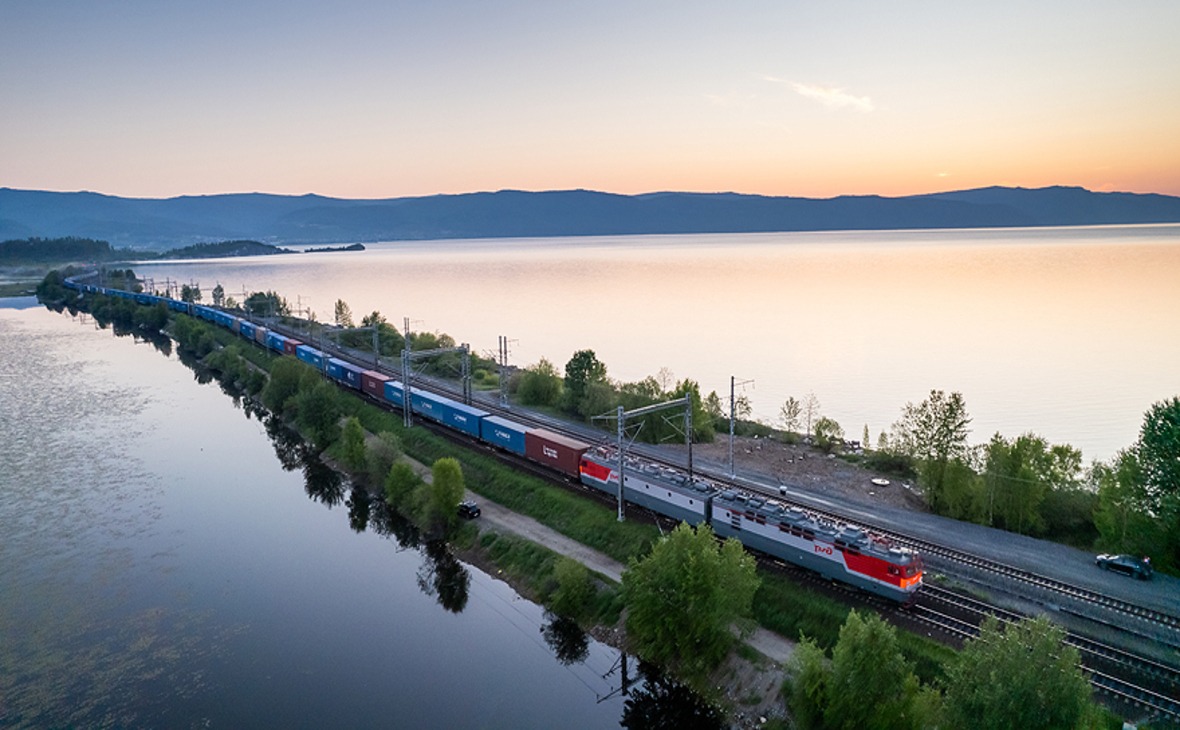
(684, 597)
(190, 293)
(871, 684)
(713, 408)
(283, 384)
(400, 485)
(317, 412)
(441, 497)
(702, 425)
(1021, 676)
(1020, 474)
(1124, 515)
(218, 295)
(575, 589)
(582, 371)
(540, 385)
(381, 455)
(267, 304)
(1159, 458)
(810, 410)
(790, 413)
(935, 433)
(807, 685)
(352, 444)
(828, 434)
(342, 314)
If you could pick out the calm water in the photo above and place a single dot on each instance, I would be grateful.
(159, 567)
(1068, 332)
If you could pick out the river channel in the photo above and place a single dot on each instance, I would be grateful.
(167, 562)
(1067, 332)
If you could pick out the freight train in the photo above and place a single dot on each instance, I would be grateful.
(842, 552)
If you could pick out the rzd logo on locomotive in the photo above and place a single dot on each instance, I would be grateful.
(825, 549)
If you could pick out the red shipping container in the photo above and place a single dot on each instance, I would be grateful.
(554, 450)
(373, 383)
(290, 345)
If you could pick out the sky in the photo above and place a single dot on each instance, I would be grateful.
(390, 98)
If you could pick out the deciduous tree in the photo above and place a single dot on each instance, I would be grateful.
(1021, 676)
(790, 413)
(381, 455)
(540, 385)
(810, 410)
(575, 589)
(684, 597)
(352, 444)
(935, 433)
(582, 370)
(317, 411)
(1159, 458)
(441, 497)
(400, 484)
(342, 314)
(828, 433)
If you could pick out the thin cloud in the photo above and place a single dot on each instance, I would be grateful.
(831, 97)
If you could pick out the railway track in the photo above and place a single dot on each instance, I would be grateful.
(1144, 684)
(1100, 659)
(924, 547)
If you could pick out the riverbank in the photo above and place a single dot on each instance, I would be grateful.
(748, 683)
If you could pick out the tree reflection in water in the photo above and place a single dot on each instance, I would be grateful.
(665, 704)
(443, 576)
(569, 643)
(321, 482)
(358, 508)
(385, 520)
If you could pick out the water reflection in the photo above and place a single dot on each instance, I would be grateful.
(388, 522)
(321, 482)
(358, 503)
(664, 704)
(570, 644)
(442, 576)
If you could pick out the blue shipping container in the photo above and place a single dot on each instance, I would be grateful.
(508, 435)
(311, 356)
(394, 393)
(246, 329)
(275, 341)
(345, 372)
(448, 412)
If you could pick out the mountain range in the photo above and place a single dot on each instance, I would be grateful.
(161, 224)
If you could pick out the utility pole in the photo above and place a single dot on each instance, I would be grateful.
(733, 416)
(621, 417)
(502, 361)
(406, 373)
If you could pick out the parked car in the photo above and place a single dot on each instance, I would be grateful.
(1137, 567)
(468, 510)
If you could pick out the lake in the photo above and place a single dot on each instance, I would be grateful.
(170, 561)
(1070, 333)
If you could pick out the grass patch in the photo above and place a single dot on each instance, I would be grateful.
(791, 610)
(18, 289)
(589, 522)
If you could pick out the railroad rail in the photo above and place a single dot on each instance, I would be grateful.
(1158, 699)
(923, 546)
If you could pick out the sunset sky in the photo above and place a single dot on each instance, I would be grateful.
(380, 98)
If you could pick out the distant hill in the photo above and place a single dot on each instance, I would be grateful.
(162, 224)
(223, 249)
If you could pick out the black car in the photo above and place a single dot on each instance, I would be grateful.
(468, 510)
(1138, 567)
